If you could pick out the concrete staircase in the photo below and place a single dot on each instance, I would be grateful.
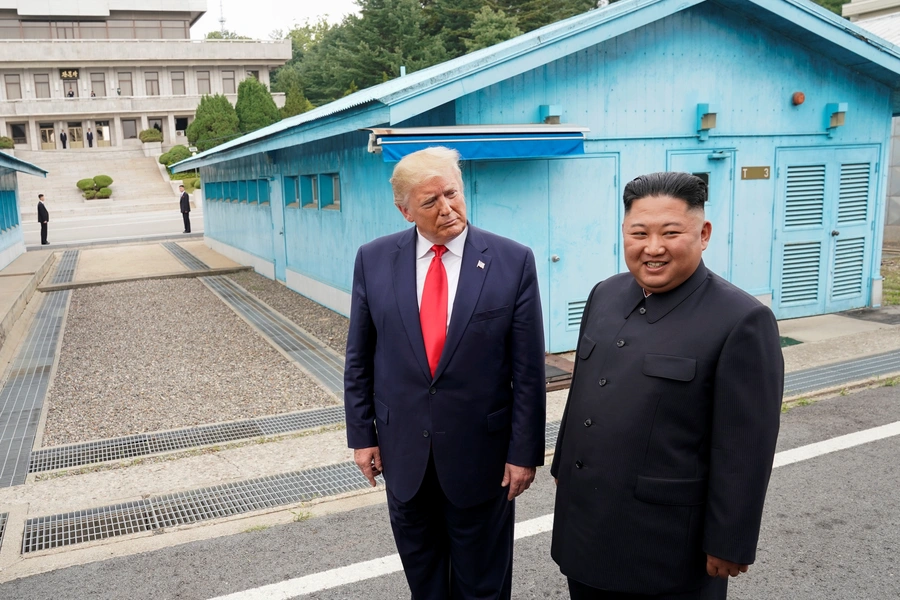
(139, 184)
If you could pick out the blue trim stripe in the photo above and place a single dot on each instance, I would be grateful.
(486, 147)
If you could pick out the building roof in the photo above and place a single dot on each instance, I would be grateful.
(8, 161)
(886, 27)
(404, 97)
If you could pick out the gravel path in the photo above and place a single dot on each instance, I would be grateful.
(164, 354)
(326, 325)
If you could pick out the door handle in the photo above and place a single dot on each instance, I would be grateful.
(554, 258)
(835, 233)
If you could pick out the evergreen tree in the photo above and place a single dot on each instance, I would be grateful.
(295, 103)
(451, 20)
(491, 27)
(532, 14)
(255, 107)
(215, 123)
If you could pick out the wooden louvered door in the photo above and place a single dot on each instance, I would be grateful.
(823, 225)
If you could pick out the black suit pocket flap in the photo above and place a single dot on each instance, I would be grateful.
(490, 314)
(382, 412)
(499, 420)
(670, 367)
(671, 492)
(585, 347)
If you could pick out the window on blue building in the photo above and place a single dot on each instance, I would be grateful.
(309, 191)
(291, 196)
(330, 186)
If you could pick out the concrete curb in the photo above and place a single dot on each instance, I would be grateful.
(18, 307)
(74, 285)
(119, 241)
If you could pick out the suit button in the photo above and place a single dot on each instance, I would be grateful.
(425, 433)
(643, 311)
(432, 391)
(578, 464)
(588, 422)
(602, 382)
(620, 343)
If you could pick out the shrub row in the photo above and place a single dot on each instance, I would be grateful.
(174, 155)
(151, 135)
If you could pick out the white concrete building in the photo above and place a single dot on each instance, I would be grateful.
(114, 67)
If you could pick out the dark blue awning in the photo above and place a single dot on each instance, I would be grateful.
(482, 142)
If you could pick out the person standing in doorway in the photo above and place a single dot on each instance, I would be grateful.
(444, 386)
(185, 209)
(63, 138)
(43, 219)
(90, 139)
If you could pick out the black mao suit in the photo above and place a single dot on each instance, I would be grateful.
(667, 441)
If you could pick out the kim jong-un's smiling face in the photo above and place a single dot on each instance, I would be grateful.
(664, 240)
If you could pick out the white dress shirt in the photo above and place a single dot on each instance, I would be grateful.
(452, 260)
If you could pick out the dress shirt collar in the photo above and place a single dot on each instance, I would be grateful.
(454, 246)
(659, 305)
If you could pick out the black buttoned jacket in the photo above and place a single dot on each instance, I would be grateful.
(666, 445)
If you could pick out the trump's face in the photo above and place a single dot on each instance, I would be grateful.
(438, 208)
(664, 241)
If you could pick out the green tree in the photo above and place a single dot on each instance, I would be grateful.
(832, 5)
(295, 103)
(491, 27)
(370, 47)
(451, 20)
(215, 123)
(303, 39)
(255, 107)
(532, 14)
(227, 35)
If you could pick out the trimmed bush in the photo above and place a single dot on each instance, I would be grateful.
(6, 143)
(86, 184)
(104, 193)
(90, 194)
(174, 155)
(103, 181)
(151, 135)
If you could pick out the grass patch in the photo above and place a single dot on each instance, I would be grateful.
(257, 528)
(890, 270)
(788, 341)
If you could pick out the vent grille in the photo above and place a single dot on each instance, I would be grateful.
(574, 312)
(853, 204)
(800, 272)
(849, 257)
(64, 457)
(3, 518)
(66, 269)
(805, 197)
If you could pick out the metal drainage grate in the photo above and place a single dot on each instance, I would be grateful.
(820, 378)
(23, 392)
(66, 270)
(65, 457)
(170, 510)
(3, 518)
(186, 258)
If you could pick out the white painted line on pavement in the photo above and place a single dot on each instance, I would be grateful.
(835, 444)
(387, 565)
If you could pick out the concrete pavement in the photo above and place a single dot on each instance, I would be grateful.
(826, 340)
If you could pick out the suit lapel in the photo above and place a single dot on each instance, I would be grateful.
(471, 280)
(404, 275)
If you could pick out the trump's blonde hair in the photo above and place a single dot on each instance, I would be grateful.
(420, 166)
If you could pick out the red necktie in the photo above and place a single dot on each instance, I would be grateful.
(433, 312)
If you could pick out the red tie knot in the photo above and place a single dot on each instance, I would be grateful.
(439, 250)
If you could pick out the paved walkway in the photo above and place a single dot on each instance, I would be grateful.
(182, 484)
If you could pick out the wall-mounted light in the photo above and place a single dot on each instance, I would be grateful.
(835, 116)
(550, 114)
(798, 98)
(706, 120)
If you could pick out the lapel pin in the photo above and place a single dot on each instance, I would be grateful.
(480, 265)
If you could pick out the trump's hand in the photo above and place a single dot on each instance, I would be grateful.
(518, 479)
(721, 568)
(369, 462)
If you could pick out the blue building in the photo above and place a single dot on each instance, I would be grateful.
(782, 106)
(12, 243)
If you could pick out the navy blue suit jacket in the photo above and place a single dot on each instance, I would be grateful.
(485, 405)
